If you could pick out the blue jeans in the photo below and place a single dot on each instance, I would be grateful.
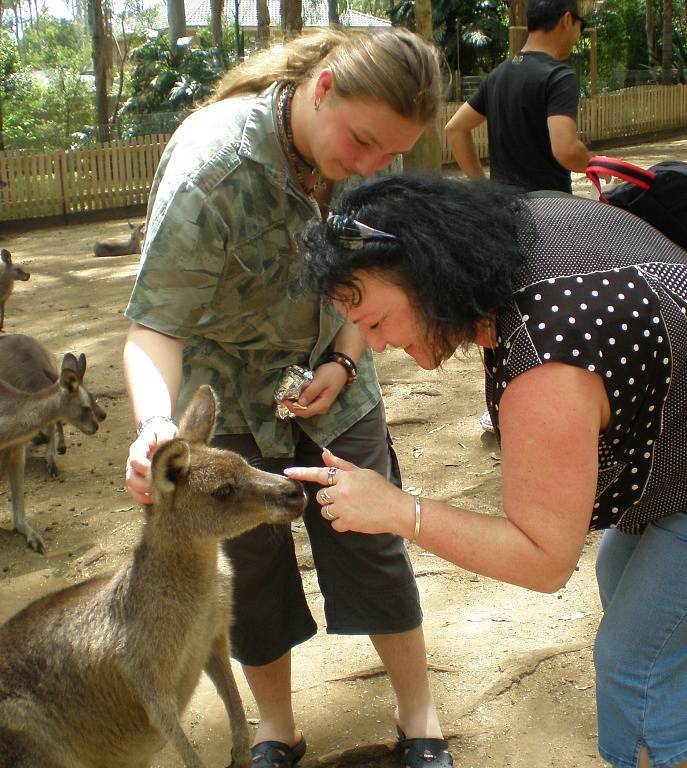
(640, 653)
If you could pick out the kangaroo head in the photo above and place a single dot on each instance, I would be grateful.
(137, 234)
(208, 492)
(17, 273)
(78, 408)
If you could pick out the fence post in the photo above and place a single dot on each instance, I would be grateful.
(62, 171)
(516, 39)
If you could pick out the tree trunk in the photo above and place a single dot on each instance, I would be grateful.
(238, 32)
(333, 8)
(99, 40)
(176, 20)
(263, 33)
(109, 45)
(426, 154)
(216, 9)
(291, 18)
(517, 13)
(667, 43)
(650, 26)
(18, 26)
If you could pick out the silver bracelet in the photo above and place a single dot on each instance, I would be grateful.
(144, 422)
(418, 520)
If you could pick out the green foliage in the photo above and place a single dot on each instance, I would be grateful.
(45, 96)
(9, 58)
(40, 115)
(379, 8)
(52, 43)
(483, 31)
(159, 87)
(622, 40)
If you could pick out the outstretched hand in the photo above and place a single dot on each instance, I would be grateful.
(356, 499)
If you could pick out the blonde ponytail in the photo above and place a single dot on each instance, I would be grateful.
(392, 65)
(294, 60)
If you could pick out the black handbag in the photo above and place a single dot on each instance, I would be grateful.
(657, 194)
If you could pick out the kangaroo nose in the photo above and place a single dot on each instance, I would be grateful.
(297, 491)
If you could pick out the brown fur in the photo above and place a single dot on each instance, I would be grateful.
(27, 365)
(26, 411)
(121, 247)
(9, 274)
(97, 675)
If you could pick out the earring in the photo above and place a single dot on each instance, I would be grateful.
(492, 334)
(317, 105)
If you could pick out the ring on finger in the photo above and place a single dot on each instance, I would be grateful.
(327, 513)
(325, 494)
(331, 474)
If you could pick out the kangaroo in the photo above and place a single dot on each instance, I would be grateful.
(27, 365)
(121, 247)
(96, 675)
(23, 414)
(8, 275)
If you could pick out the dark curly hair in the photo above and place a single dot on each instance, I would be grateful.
(457, 249)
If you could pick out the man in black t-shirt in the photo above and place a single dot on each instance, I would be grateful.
(530, 105)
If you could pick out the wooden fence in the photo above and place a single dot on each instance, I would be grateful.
(120, 174)
(633, 112)
(115, 175)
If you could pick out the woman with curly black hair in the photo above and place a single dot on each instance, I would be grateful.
(581, 312)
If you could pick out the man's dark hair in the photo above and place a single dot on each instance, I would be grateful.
(544, 14)
(455, 249)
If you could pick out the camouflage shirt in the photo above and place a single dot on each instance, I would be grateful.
(219, 269)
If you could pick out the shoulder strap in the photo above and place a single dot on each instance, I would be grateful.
(621, 169)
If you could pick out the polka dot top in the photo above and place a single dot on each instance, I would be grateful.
(603, 290)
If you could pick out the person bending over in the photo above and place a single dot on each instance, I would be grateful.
(580, 309)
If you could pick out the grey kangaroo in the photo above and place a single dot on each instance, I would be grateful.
(121, 247)
(9, 273)
(98, 674)
(25, 413)
(27, 365)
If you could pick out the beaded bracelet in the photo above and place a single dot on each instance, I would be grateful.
(346, 362)
(144, 422)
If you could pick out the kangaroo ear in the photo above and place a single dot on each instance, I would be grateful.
(6, 256)
(69, 362)
(198, 422)
(69, 379)
(171, 463)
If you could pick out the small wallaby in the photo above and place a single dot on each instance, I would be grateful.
(97, 675)
(27, 365)
(25, 413)
(121, 247)
(9, 273)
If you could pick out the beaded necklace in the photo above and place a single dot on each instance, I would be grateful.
(285, 132)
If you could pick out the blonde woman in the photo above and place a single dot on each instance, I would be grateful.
(213, 304)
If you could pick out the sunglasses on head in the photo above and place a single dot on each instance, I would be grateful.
(353, 234)
(583, 23)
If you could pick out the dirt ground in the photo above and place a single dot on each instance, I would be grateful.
(511, 670)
